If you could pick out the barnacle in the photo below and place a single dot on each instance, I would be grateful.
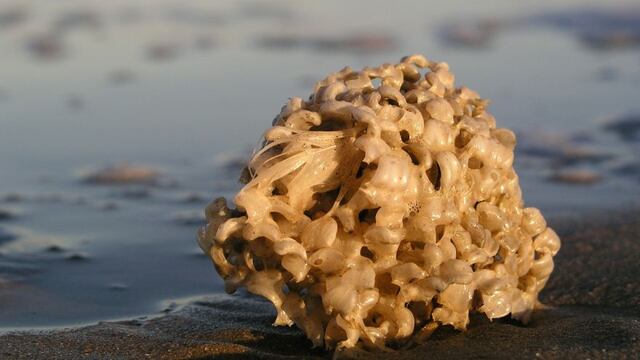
(384, 205)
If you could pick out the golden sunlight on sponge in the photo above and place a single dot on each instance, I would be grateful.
(384, 205)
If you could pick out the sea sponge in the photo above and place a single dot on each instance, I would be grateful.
(384, 205)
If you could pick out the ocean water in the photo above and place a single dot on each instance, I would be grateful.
(187, 89)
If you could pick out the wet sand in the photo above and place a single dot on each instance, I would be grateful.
(593, 311)
(86, 199)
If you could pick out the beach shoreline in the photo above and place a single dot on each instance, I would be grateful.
(592, 311)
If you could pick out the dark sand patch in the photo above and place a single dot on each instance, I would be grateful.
(593, 298)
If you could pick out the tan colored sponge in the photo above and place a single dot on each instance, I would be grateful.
(384, 205)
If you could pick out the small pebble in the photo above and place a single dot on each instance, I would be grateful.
(578, 177)
(122, 174)
(77, 257)
(55, 248)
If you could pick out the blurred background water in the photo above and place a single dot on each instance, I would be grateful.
(120, 120)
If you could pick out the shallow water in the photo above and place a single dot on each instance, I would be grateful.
(186, 88)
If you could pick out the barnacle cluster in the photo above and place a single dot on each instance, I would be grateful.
(380, 207)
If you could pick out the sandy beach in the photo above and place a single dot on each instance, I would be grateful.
(120, 121)
(593, 307)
